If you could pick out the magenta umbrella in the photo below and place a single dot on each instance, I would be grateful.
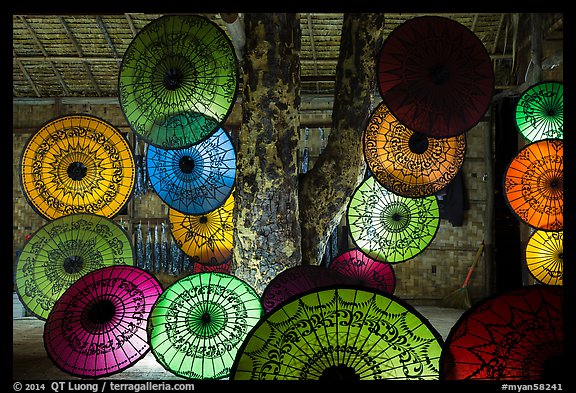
(297, 280)
(365, 271)
(98, 326)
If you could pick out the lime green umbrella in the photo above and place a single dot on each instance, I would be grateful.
(389, 227)
(178, 80)
(342, 333)
(540, 112)
(64, 250)
(198, 323)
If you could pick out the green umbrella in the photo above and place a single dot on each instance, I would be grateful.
(178, 80)
(540, 112)
(64, 250)
(198, 323)
(342, 333)
(389, 227)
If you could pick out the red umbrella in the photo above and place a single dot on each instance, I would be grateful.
(435, 76)
(517, 335)
(98, 326)
(364, 270)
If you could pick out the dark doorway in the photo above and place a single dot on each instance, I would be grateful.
(507, 246)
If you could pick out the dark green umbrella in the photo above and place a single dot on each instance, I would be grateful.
(178, 80)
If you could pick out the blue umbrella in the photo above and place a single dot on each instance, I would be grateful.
(196, 179)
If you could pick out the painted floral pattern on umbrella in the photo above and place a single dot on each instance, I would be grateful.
(435, 76)
(545, 256)
(409, 163)
(340, 334)
(198, 323)
(534, 184)
(540, 112)
(516, 335)
(98, 326)
(62, 251)
(178, 80)
(206, 238)
(196, 179)
(389, 227)
(77, 164)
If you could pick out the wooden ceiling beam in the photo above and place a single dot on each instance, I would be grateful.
(43, 50)
(26, 75)
(80, 55)
(104, 30)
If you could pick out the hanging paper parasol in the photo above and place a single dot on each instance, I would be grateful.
(435, 76)
(178, 80)
(64, 250)
(207, 238)
(340, 334)
(77, 164)
(98, 326)
(540, 112)
(297, 280)
(389, 227)
(198, 323)
(545, 256)
(409, 163)
(197, 179)
(534, 184)
(365, 271)
(517, 335)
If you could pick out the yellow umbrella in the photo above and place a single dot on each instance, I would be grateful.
(544, 256)
(77, 164)
(207, 238)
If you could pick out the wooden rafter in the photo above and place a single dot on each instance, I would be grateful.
(26, 75)
(131, 25)
(43, 50)
(104, 30)
(80, 54)
(313, 47)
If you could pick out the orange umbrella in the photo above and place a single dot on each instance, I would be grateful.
(534, 184)
(77, 164)
(544, 256)
(206, 238)
(409, 163)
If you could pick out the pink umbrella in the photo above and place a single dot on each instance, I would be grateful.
(365, 271)
(297, 280)
(98, 326)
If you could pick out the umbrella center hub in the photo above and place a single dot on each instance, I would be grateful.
(186, 164)
(418, 143)
(340, 372)
(203, 220)
(439, 74)
(73, 264)
(173, 78)
(206, 318)
(76, 170)
(101, 312)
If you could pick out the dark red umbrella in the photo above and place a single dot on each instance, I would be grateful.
(516, 335)
(297, 280)
(98, 326)
(365, 271)
(435, 76)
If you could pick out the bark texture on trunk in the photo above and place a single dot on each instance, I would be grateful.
(267, 232)
(325, 190)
